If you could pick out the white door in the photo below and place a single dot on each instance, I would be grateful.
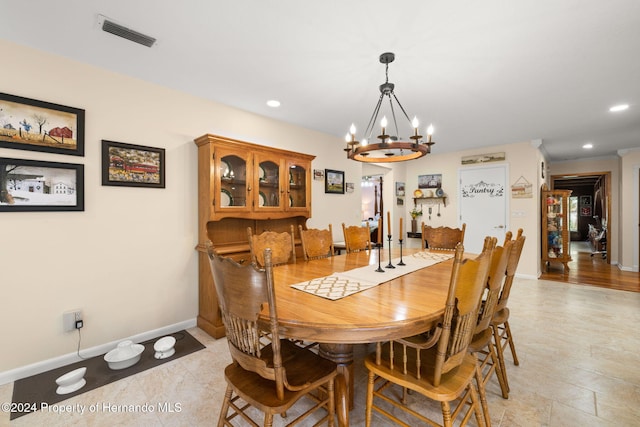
(483, 204)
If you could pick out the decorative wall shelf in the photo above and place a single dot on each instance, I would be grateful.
(430, 200)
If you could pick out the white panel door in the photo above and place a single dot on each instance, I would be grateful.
(483, 204)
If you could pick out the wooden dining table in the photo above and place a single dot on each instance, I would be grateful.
(404, 306)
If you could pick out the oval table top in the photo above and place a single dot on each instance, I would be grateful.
(404, 306)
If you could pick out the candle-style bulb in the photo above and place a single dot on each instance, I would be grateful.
(415, 123)
(347, 137)
(352, 129)
(383, 122)
(430, 130)
(364, 142)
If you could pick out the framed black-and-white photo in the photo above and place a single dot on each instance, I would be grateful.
(32, 185)
(430, 181)
(29, 124)
(333, 181)
(131, 165)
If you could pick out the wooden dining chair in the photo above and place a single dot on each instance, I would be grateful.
(437, 365)
(442, 237)
(482, 344)
(502, 335)
(356, 238)
(270, 374)
(316, 243)
(282, 246)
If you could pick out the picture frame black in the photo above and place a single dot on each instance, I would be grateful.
(430, 181)
(56, 128)
(333, 181)
(585, 200)
(130, 165)
(34, 185)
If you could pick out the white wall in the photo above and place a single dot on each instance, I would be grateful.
(629, 209)
(524, 160)
(128, 261)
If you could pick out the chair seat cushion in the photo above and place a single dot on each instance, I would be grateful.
(296, 360)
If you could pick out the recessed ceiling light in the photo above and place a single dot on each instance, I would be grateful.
(588, 146)
(273, 103)
(619, 107)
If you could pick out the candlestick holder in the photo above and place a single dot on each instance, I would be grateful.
(379, 269)
(401, 262)
(389, 265)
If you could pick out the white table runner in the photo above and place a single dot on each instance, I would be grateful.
(339, 285)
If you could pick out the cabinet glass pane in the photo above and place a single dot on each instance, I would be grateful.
(269, 178)
(233, 181)
(297, 186)
(555, 225)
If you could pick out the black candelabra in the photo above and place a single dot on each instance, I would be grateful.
(389, 265)
(379, 269)
(401, 262)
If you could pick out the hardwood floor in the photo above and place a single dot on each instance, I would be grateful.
(592, 271)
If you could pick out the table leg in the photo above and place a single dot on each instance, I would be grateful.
(342, 354)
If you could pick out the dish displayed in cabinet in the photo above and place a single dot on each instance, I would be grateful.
(226, 199)
(262, 199)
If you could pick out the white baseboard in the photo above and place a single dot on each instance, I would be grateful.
(633, 269)
(56, 362)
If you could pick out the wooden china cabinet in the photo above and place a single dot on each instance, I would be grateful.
(555, 227)
(242, 185)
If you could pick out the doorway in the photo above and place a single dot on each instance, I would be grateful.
(590, 224)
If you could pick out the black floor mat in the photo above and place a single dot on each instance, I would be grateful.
(34, 392)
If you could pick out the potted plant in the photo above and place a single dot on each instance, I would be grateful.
(415, 213)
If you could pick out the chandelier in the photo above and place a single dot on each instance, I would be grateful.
(390, 148)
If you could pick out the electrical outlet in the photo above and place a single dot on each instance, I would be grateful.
(72, 320)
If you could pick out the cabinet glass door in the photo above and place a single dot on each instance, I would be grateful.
(268, 184)
(297, 186)
(232, 171)
(555, 225)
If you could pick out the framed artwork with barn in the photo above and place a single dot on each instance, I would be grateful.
(29, 124)
(131, 165)
(31, 185)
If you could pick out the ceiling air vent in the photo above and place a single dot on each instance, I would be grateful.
(124, 32)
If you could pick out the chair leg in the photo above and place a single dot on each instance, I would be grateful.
(446, 414)
(498, 369)
(332, 403)
(225, 406)
(476, 406)
(268, 420)
(497, 340)
(367, 419)
(483, 395)
(511, 344)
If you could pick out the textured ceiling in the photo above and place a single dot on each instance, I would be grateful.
(483, 72)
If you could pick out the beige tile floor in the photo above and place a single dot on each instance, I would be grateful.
(579, 366)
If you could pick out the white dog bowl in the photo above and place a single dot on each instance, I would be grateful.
(164, 347)
(124, 355)
(71, 381)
